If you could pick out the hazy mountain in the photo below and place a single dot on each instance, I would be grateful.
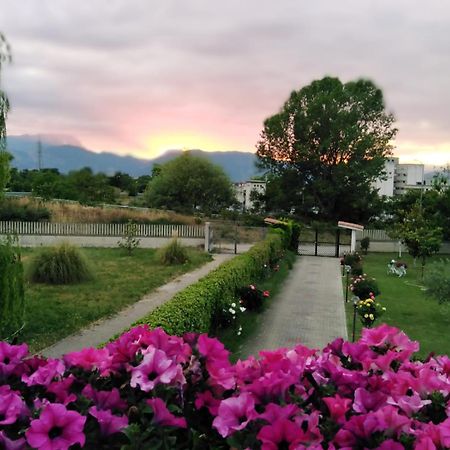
(62, 153)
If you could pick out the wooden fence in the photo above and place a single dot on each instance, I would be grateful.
(100, 229)
(374, 235)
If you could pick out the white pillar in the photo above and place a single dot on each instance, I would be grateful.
(353, 242)
(207, 236)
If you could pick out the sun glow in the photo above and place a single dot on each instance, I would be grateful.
(431, 155)
(158, 144)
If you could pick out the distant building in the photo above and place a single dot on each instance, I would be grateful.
(399, 178)
(244, 190)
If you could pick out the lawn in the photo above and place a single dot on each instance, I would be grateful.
(251, 321)
(408, 306)
(53, 312)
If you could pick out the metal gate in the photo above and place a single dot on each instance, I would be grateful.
(324, 242)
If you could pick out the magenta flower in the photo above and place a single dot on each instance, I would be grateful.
(9, 444)
(11, 406)
(212, 349)
(105, 399)
(162, 416)
(56, 429)
(338, 407)
(234, 414)
(10, 357)
(61, 389)
(280, 434)
(90, 359)
(109, 423)
(45, 374)
(156, 368)
(366, 401)
(207, 400)
(276, 412)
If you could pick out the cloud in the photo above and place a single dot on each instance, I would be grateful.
(115, 72)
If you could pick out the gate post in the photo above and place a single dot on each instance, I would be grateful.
(207, 236)
(338, 238)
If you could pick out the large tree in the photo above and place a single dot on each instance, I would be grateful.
(335, 137)
(189, 183)
(5, 56)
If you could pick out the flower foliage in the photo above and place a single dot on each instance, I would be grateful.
(252, 298)
(148, 389)
(369, 311)
(364, 287)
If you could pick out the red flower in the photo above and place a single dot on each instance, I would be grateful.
(266, 294)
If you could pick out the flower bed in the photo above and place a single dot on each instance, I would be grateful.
(151, 390)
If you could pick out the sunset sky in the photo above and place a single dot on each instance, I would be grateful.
(143, 76)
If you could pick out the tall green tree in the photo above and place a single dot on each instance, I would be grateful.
(334, 137)
(188, 183)
(5, 157)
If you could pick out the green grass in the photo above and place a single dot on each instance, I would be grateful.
(251, 321)
(54, 312)
(408, 307)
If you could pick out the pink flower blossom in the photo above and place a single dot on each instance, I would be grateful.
(280, 434)
(56, 429)
(155, 368)
(9, 444)
(90, 359)
(45, 374)
(162, 416)
(109, 423)
(10, 357)
(266, 293)
(104, 400)
(234, 414)
(338, 407)
(11, 406)
(61, 389)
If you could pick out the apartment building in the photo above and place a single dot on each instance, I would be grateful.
(244, 190)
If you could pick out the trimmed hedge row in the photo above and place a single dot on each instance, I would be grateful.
(196, 307)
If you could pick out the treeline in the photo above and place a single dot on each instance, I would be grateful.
(82, 185)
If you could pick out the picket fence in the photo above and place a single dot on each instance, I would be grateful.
(100, 229)
(375, 235)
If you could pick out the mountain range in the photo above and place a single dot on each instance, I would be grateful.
(66, 155)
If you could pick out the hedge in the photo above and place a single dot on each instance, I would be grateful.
(195, 308)
(12, 296)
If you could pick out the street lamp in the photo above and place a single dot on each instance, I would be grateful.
(347, 274)
(355, 304)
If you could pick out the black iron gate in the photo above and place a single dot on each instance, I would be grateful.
(324, 242)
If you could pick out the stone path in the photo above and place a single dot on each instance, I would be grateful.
(103, 330)
(308, 310)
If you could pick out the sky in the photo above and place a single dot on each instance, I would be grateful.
(143, 76)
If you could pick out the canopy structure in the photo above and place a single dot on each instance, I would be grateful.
(354, 227)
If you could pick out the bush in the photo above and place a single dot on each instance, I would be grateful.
(365, 243)
(150, 390)
(12, 298)
(364, 288)
(197, 307)
(129, 241)
(351, 259)
(173, 253)
(63, 264)
(437, 281)
(252, 298)
(13, 211)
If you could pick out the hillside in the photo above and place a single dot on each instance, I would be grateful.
(239, 166)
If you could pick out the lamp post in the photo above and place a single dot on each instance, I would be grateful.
(347, 273)
(355, 303)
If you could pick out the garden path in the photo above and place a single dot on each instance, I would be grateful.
(308, 310)
(103, 330)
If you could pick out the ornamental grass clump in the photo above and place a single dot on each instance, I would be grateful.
(173, 253)
(62, 264)
(364, 287)
(151, 390)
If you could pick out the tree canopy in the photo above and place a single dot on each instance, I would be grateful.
(188, 183)
(328, 143)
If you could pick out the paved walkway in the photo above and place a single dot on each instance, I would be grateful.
(103, 330)
(309, 309)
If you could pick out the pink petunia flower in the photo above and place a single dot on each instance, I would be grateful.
(56, 429)
(90, 359)
(338, 407)
(109, 423)
(61, 390)
(105, 399)
(162, 416)
(234, 414)
(280, 434)
(45, 374)
(11, 406)
(266, 294)
(10, 357)
(9, 444)
(156, 368)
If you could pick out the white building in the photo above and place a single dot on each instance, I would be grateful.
(244, 190)
(400, 178)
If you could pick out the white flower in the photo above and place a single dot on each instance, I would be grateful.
(233, 305)
(238, 333)
(232, 311)
(243, 309)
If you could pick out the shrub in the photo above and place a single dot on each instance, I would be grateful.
(62, 264)
(365, 243)
(252, 298)
(197, 307)
(364, 288)
(150, 390)
(357, 269)
(173, 253)
(129, 241)
(12, 298)
(351, 259)
(369, 311)
(12, 211)
(437, 281)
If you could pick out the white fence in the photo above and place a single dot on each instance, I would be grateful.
(100, 229)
